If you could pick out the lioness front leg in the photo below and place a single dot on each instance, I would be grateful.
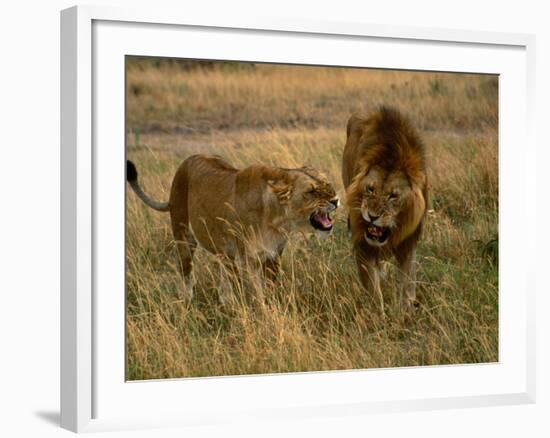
(229, 282)
(369, 274)
(270, 268)
(255, 281)
(407, 277)
(240, 280)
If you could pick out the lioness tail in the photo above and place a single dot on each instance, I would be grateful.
(132, 178)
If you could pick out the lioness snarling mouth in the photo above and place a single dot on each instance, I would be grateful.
(384, 172)
(243, 215)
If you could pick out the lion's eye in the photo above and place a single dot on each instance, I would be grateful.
(370, 189)
(311, 192)
(393, 196)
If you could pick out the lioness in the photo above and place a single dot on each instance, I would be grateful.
(243, 215)
(384, 172)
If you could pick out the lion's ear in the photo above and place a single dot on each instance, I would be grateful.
(355, 126)
(281, 188)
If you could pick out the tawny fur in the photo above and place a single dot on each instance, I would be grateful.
(384, 154)
(243, 215)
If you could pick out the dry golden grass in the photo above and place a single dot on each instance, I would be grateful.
(317, 317)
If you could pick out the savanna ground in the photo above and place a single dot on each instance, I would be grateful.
(317, 317)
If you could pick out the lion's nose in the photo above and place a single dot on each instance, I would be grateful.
(372, 217)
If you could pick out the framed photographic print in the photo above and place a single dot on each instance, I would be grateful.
(264, 218)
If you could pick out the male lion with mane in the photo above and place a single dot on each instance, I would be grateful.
(384, 173)
(243, 215)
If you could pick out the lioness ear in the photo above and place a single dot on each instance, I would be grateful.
(282, 189)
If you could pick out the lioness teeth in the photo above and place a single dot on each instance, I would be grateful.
(322, 220)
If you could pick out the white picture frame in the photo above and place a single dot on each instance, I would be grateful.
(94, 395)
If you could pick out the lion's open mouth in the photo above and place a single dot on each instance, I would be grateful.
(321, 221)
(376, 233)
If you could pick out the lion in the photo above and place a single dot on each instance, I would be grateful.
(384, 174)
(244, 216)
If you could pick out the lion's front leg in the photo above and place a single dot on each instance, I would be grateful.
(407, 277)
(369, 274)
